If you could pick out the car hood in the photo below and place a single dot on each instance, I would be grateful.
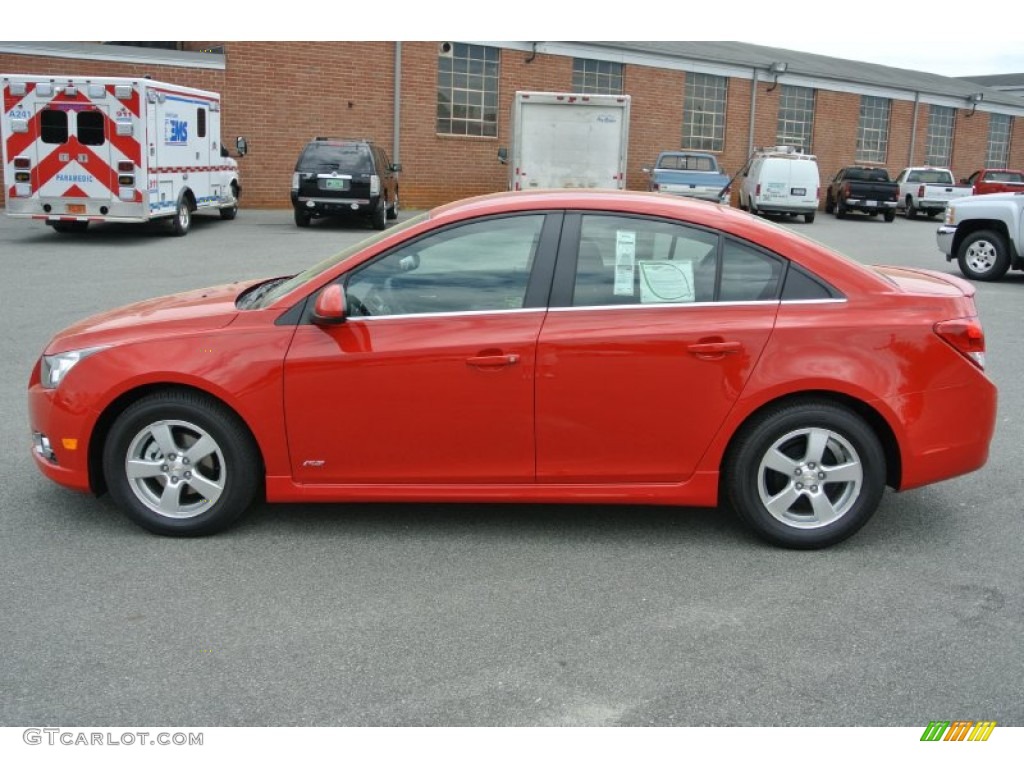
(205, 309)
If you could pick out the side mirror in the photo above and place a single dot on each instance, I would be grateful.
(963, 181)
(396, 167)
(329, 308)
(645, 170)
(242, 146)
(503, 155)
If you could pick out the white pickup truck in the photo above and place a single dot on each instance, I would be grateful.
(928, 190)
(985, 234)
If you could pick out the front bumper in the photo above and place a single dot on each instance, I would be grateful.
(60, 436)
(944, 237)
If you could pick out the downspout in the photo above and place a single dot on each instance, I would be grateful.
(396, 156)
(913, 130)
(753, 113)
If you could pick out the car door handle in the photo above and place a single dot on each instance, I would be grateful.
(714, 348)
(492, 361)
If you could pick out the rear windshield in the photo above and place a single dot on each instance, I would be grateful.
(687, 163)
(931, 177)
(867, 174)
(343, 158)
(1010, 176)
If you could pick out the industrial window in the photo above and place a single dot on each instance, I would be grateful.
(796, 117)
(593, 76)
(201, 123)
(999, 129)
(873, 130)
(704, 112)
(53, 126)
(939, 150)
(467, 90)
(90, 128)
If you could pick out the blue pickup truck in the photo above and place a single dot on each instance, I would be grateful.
(690, 174)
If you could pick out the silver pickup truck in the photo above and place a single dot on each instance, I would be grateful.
(985, 234)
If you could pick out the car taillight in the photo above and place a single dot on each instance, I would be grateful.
(375, 184)
(757, 192)
(846, 189)
(920, 191)
(295, 182)
(966, 336)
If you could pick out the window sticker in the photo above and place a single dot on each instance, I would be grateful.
(666, 282)
(625, 262)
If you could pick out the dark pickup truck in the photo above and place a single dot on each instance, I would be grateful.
(862, 189)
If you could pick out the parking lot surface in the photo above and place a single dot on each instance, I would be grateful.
(397, 614)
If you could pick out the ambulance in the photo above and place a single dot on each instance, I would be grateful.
(83, 149)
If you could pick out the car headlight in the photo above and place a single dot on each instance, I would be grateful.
(53, 368)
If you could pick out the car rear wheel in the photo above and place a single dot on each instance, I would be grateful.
(840, 209)
(809, 218)
(806, 475)
(181, 464)
(379, 218)
(890, 215)
(231, 211)
(983, 256)
(302, 218)
(393, 210)
(911, 210)
(182, 219)
(829, 205)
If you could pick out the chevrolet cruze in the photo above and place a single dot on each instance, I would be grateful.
(615, 347)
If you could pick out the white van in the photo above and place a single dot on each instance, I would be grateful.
(780, 180)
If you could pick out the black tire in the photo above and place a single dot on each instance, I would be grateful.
(176, 494)
(379, 217)
(809, 218)
(983, 255)
(393, 209)
(232, 210)
(890, 215)
(931, 214)
(829, 205)
(302, 218)
(783, 458)
(69, 227)
(840, 209)
(911, 210)
(181, 221)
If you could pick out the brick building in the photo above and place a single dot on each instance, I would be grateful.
(442, 108)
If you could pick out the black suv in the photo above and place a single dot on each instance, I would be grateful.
(338, 177)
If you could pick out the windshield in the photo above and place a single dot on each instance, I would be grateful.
(687, 163)
(286, 286)
(344, 158)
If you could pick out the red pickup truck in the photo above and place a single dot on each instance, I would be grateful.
(991, 180)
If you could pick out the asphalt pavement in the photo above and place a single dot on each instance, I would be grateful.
(359, 614)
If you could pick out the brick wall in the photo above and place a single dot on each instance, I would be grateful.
(279, 95)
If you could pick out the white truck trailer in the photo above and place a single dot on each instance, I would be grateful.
(568, 141)
(82, 149)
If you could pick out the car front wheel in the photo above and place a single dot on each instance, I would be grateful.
(983, 256)
(181, 464)
(806, 475)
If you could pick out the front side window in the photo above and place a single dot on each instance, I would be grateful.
(630, 260)
(53, 126)
(704, 112)
(796, 117)
(478, 267)
(90, 128)
(999, 129)
(941, 122)
(467, 90)
(873, 130)
(593, 76)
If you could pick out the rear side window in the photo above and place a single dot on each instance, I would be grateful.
(90, 128)
(748, 274)
(53, 126)
(800, 286)
(201, 123)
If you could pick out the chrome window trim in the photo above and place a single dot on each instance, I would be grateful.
(468, 312)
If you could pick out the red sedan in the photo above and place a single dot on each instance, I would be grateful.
(548, 347)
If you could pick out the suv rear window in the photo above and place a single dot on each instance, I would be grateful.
(343, 158)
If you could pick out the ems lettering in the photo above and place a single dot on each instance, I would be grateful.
(175, 131)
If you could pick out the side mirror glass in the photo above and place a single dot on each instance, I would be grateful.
(503, 155)
(242, 146)
(396, 167)
(329, 308)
